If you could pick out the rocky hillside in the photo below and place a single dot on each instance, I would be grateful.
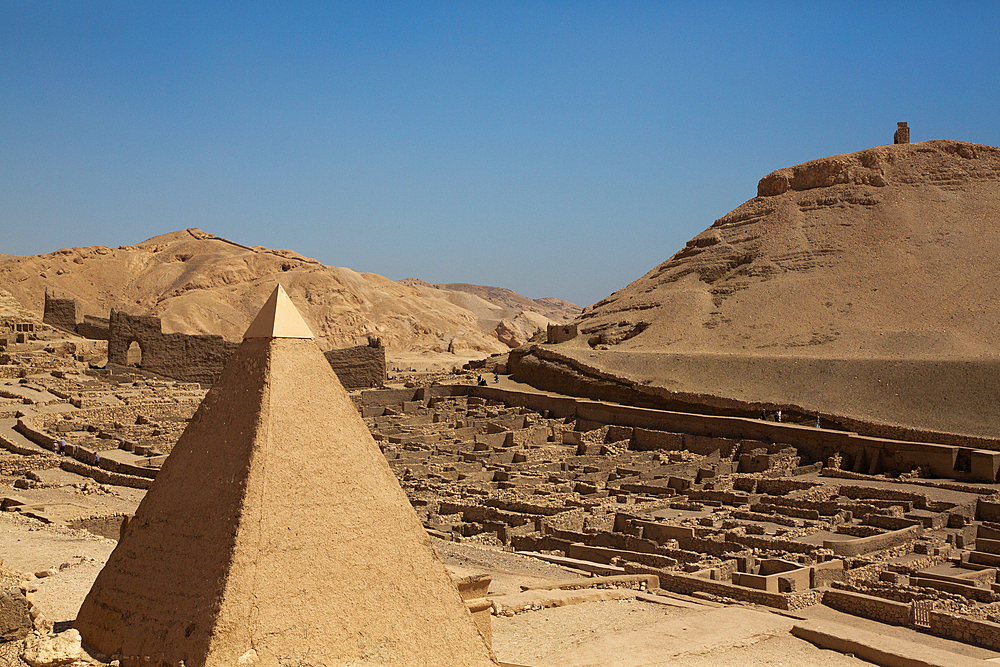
(198, 283)
(511, 318)
(888, 254)
(889, 251)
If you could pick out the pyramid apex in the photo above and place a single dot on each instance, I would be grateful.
(278, 318)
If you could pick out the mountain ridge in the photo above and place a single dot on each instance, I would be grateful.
(198, 283)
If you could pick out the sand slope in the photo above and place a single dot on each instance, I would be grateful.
(886, 257)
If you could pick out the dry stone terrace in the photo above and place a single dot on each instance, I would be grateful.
(748, 520)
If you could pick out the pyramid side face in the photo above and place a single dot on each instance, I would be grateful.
(331, 565)
(277, 525)
(159, 594)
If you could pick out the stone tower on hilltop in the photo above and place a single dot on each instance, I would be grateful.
(276, 534)
(902, 134)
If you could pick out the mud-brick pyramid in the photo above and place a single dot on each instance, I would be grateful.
(276, 534)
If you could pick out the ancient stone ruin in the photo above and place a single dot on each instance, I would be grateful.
(560, 333)
(359, 367)
(276, 534)
(902, 134)
(61, 311)
(139, 341)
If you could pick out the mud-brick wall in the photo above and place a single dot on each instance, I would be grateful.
(60, 312)
(94, 328)
(359, 367)
(687, 584)
(179, 356)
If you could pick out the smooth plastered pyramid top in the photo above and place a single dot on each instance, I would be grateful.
(279, 318)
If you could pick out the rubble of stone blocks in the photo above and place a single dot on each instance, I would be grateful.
(747, 519)
(737, 519)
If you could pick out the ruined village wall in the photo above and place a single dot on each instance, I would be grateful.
(963, 629)
(359, 367)
(189, 358)
(60, 311)
(658, 428)
(868, 606)
(94, 328)
(200, 358)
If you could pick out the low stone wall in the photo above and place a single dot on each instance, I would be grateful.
(32, 432)
(865, 545)
(867, 606)
(105, 476)
(14, 447)
(686, 584)
(987, 511)
(966, 630)
(968, 590)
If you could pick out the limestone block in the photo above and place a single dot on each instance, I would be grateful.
(62, 649)
(15, 622)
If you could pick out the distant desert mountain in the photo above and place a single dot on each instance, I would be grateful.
(510, 317)
(886, 255)
(198, 283)
(555, 310)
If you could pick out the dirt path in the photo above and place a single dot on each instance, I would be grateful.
(638, 634)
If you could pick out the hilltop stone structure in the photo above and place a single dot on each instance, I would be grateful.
(902, 135)
(560, 333)
(293, 544)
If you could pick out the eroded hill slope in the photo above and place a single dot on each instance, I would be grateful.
(198, 283)
(825, 291)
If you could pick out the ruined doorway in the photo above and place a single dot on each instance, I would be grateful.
(134, 355)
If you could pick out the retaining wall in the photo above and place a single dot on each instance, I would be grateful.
(686, 584)
(967, 630)
(105, 476)
(660, 428)
(865, 545)
(867, 606)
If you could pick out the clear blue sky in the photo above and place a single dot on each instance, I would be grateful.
(556, 148)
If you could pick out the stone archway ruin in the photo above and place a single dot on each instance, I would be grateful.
(133, 357)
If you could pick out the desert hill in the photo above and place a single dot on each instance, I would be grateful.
(198, 283)
(861, 285)
(512, 318)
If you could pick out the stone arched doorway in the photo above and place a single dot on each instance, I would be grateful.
(134, 355)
